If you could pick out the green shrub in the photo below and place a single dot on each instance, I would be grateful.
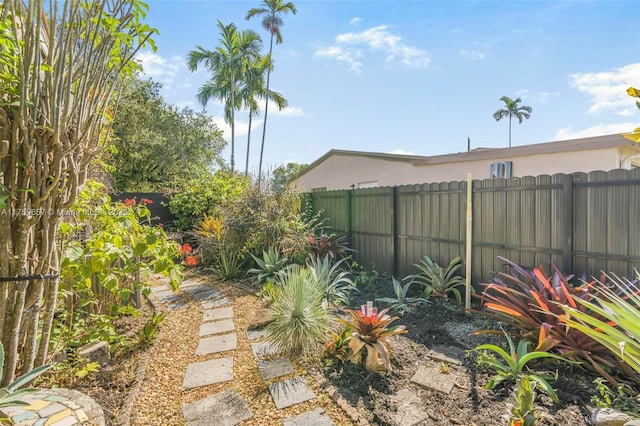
(437, 280)
(301, 323)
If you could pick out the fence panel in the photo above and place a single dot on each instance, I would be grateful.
(372, 228)
(335, 207)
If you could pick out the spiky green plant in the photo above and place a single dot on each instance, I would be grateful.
(268, 267)
(336, 283)
(437, 280)
(228, 265)
(402, 304)
(300, 322)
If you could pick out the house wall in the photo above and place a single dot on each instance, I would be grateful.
(342, 171)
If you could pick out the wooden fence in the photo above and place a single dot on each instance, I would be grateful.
(583, 223)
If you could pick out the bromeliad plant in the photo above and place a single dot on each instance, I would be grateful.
(402, 304)
(331, 245)
(370, 330)
(437, 280)
(532, 301)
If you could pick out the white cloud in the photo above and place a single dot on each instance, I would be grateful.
(290, 111)
(241, 129)
(376, 39)
(569, 132)
(537, 97)
(476, 55)
(400, 152)
(347, 55)
(161, 69)
(608, 89)
(355, 20)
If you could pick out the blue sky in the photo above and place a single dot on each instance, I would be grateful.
(417, 77)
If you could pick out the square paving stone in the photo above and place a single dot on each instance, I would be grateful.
(216, 314)
(177, 304)
(216, 327)
(263, 349)
(188, 283)
(226, 408)
(256, 334)
(276, 368)
(214, 344)
(161, 291)
(315, 417)
(170, 298)
(290, 392)
(208, 372)
(215, 303)
(433, 378)
(205, 295)
(197, 289)
(410, 410)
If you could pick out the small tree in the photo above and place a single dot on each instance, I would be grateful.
(60, 66)
(512, 109)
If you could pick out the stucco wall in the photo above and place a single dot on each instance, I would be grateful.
(342, 171)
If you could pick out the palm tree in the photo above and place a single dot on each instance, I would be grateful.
(228, 64)
(271, 12)
(512, 109)
(254, 89)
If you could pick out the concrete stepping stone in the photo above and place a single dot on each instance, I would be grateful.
(215, 344)
(290, 392)
(433, 378)
(315, 417)
(256, 334)
(276, 368)
(226, 408)
(161, 291)
(447, 354)
(216, 314)
(410, 410)
(263, 349)
(178, 304)
(215, 303)
(208, 373)
(197, 289)
(170, 298)
(216, 327)
(205, 295)
(188, 283)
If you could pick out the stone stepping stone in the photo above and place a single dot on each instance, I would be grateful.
(161, 291)
(206, 295)
(290, 392)
(177, 305)
(276, 368)
(263, 350)
(262, 317)
(216, 314)
(410, 410)
(170, 298)
(447, 354)
(226, 408)
(315, 417)
(215, 344)
(216, 327)
(256, 334)
(208, 373)
(197, 289)
(188, 283)
(433, 378)
(216, 303)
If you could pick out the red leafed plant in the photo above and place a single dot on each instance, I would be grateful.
(531, 301)
(370, 330)
(331, 245)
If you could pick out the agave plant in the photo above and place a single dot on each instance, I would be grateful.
(612, 319)
(370, 330)
(402, 304)
(268, 267)
(10, 395)
(336, 283)
(531, 300)
(437, 280)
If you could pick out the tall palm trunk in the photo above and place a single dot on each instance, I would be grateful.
(233, 124)
(509, 130)
(266, 110)
(246, 163)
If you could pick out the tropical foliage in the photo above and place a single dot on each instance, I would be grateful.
(511, 109)
(268, 266)
(331, 245)
(282, 175)
(402, 304)
(370, 330)
(336, 283)
(439, 281)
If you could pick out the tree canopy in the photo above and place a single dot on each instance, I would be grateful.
(283, 174)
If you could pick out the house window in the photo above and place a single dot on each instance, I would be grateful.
(368, 184)
(501, 170)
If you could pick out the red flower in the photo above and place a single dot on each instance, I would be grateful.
(191, 261)
(146, 201)
(129, 202)
(186, 248)
(161, 225)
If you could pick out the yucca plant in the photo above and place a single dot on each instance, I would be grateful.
(370, 330)
(336, 283)
(402, 304)
(10, 395)
(515, 362)
(612, 318)
(228, 265)
(268, 267)
(531, 301)
(437, 280)
(300, 322)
